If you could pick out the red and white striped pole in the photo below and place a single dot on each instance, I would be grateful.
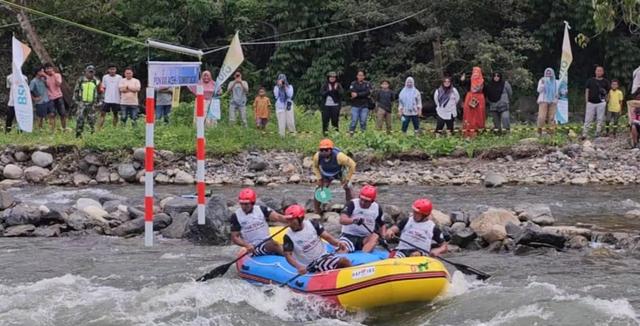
(148, 167)
(200, 188)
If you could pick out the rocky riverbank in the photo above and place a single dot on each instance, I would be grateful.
(603, 161)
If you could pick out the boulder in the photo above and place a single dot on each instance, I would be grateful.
(179, 205)
(114, 177)
(111, 205)
(534, 236)
(77, 221)
(568, 231)
(632, 213)
(6, 200)
(531, 212)
(331, 222)
(162, 178)
(457, 226)
(103, 175)
(440, 218)
(83, 203)
(25, 230)
(135, 226)
(183, 178)
(512, 230)
(178, 227)
(135, 213)
(393, 211)
(139, 154)
(21, 156)
(288, 168)
(543, 220)
(161, 221)
(483, 224)
(48, 231)
(497, 233)
(215, 231)
(42, 159)
(35, 174)
(80, 179)
(522, 250)
(459, 217)
(22, 214)
(295, 178)
(463, 237)
(127, 172)
(257, 164)
(307, 162)
(96, 213)
(579, 181)
(12, 171)
(492, 179)
(93, 159)
(52, 216)
(577, 242)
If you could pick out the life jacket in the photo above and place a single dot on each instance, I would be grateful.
(368, 215)
(88, 90)
(253, 226)
(419, 234)
(330, 168)
(307, 245)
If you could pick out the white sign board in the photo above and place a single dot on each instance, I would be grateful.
(169, 74)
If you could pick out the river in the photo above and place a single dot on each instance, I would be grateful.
(117, 281)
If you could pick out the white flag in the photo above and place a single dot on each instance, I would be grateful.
(19, 89)
(232, 61)
(562, 113)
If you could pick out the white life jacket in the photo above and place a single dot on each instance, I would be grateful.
(307, 245)
(418, 234)
(253, 226)
(368, 215)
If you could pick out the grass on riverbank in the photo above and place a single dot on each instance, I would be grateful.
(179, 136)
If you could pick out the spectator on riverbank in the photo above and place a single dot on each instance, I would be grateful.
(331, 93)
(360, 92)
(211, 112)
(238, 102)
(384, 98)
(262, 108)
(11, 112)
(498, 92)
(54, 82)
(44, 107)
(164, 97)
(633, 108)
(410, 106)
(129, 88)
(86, 96)
(596, 94)
(547, 101)
(446, 98)
(110, 88)
(283, 93)
(474, 114)
(614, 107)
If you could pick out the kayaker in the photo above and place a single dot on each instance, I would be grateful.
(249, 225)
(361, 212)
(303, 246)
(419, 230)
(329, 164)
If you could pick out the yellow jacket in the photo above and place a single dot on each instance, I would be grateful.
(343, 160)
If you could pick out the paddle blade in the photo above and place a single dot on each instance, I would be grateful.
(480, 275)
(216, 272)
(323, 195)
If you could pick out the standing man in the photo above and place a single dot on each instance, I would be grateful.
(11, 111)
(164, 97)
(329, 164)
(238, 102)
(129, 88)
(54, 81)
(87, 97)
(44, 107)
(362, 222)
(596, 94)
(110, 83)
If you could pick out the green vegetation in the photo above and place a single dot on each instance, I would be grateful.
(179, 136)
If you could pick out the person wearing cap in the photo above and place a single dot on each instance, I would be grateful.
(329, 164)
(361, 221)
(86, 95)
(420, 231)
(303, 246)
(249, 225)
(331, 93)
(44, 107)
(110, 83)
(129, 88)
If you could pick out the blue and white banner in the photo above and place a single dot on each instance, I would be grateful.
(169, 73)
(562, 113)
(19, 89)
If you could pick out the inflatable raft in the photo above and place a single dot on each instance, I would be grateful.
(373, 281)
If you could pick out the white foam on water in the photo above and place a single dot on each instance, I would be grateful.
(617, 308)
(172, 256)
(512, 316)
(63, 196)
(461, 284)
(76, 300)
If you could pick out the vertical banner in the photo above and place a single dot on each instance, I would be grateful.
(562, 114)
(19, 88)
(231, 62)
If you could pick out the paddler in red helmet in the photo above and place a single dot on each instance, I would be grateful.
(361, 221)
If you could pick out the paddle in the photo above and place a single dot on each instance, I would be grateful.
(461, 267)
(323, 194)
(220, 270)
(270, 291)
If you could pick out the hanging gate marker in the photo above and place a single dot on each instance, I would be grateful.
(200, 155)
(148, 167)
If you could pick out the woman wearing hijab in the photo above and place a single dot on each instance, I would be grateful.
(446, 98)
(473, 113)
(499, 92)
(547, 100)
(331, 95)
(410, 106)
(212, 114)
(283, 93)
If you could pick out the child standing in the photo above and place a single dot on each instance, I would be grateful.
(384, 99)
(261, 107)
(614, 107)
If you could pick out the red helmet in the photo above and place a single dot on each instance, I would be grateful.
(247, 195)
(294, 211)
(422, 206)
(368, 192)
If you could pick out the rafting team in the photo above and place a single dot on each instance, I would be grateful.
(361, 220)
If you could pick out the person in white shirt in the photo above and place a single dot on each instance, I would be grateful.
(111, 92)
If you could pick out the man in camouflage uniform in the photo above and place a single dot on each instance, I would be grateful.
(86, 95)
